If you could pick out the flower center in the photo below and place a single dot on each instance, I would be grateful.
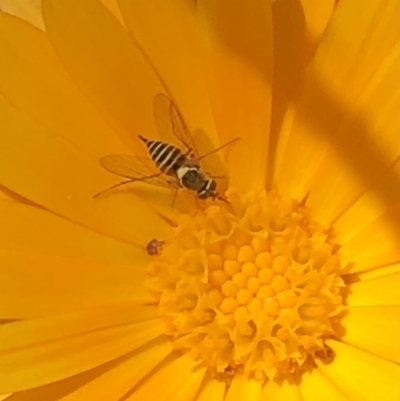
(253, 287)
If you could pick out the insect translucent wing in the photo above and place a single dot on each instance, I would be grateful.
(170, 123)
(133, 167)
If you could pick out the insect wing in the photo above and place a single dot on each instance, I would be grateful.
(133, 167)
(170, 123)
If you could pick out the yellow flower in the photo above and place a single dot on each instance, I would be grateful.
(290, 291)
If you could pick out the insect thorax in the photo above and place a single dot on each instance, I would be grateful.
(191, 177)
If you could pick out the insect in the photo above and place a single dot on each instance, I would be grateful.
(154, 247)
(174, 155)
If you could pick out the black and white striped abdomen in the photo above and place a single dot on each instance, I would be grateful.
(208, 189)
(168, 158)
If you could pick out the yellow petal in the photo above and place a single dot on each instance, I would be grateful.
(373, 273)
(297, 29)
(49, 171)
(373, 204)
(214, 390)
(33, 80)
(170, 377)
(189, 389)
(290, 58)
(29, 10)
(94, 269)
(121, 372)
(28, 288)
(382, 290)
(368, 142)
(106, 65)
(345, 63)
(315, 387)
(375, 329)
(376, 245)
(113, 7)
(61, 388)
(59, 237)
(316, 17)
(238, 39)
(281, 392)
(242, 388)
(10, 196)
(117, 382)
(362, 376)
(168, 34)
(5, 194)
(37, 352)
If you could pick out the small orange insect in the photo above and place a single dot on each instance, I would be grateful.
(154, 247)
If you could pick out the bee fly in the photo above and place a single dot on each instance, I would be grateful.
(181, 166)
(173, 162)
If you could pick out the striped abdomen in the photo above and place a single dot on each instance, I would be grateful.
(168, 158)
(208, 190)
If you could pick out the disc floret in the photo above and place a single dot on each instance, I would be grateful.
(253, 287)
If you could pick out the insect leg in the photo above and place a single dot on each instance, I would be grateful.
(175, 196)
(189, 152)
(217, 177)
(221, 198)
(124, 183)
(219, 148)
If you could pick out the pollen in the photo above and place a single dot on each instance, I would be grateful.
(252, 287)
